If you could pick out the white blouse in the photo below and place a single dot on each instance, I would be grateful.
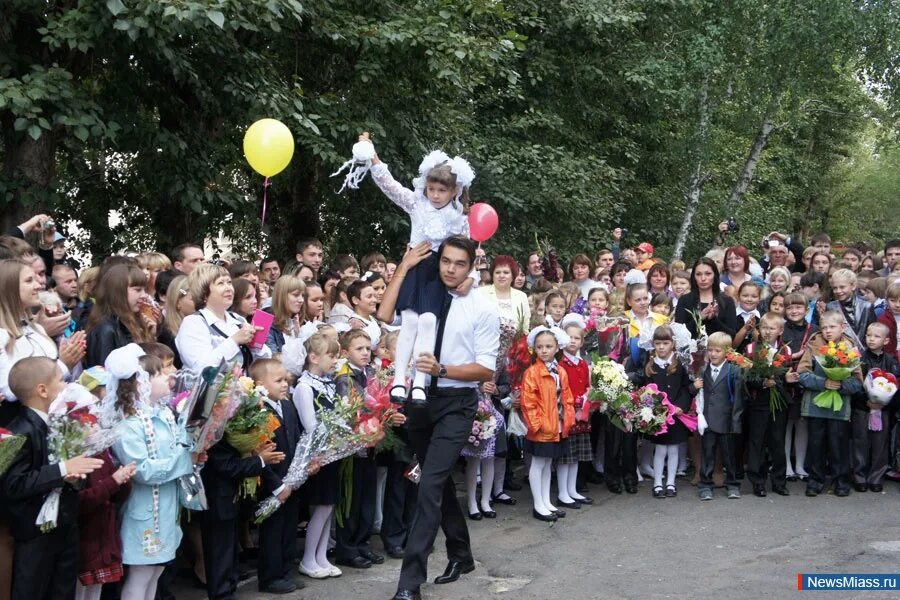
(200, 347)
(33, 342)
(430, 224)
(370, 326)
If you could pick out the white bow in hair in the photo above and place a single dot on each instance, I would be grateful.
(573, 319)
(562, 338)
(635, 276)
(123, 363)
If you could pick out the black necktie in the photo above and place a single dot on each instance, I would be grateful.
(439, 340)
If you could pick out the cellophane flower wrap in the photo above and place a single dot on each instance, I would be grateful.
(378, 403)
(73, 429)
(223, 400)
(767, 362)
(251, 426)
(483, 436)
(10, 444)
(652, 411)
(609, 384)
(518, 359)
(838, 361)
(880, 386)
(339, 433)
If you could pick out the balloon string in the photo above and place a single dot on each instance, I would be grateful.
(266, 185)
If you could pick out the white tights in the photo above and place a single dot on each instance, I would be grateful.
(499, 475)
(487, 483)
(665, 456)
(797, 429)
(318, 532)
(417, 335)
(539, 481)
(141, 582)
(89, 592)
(566, 483)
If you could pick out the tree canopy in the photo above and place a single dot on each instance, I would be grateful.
(578, 116)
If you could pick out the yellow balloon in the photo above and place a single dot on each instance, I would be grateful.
(268, 146)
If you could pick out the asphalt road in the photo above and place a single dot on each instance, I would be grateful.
(636, 546)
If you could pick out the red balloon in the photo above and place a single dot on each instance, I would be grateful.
(483, 222)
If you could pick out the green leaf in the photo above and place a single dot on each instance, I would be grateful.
(218, 18)
(115, 7)
(121, 25)
(460, 54)
(34, 132)
(81, 133)
(20, 124)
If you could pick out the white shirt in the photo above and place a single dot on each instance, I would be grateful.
(199, 347)
(661, 364)
(714, 371)
(471, 335)
(372, 327)
(575, 358)
(32, 342)
(745, 314)
(430, 224)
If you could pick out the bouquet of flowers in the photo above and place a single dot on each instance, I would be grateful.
(73, 430)
(251, 426)
(608, 383)
(378, 405)
(653, 413)
(765, 362)
(838, 361)
(880, 386)
(10, 444)
(221, 402)
(483, 436)
(339, 433)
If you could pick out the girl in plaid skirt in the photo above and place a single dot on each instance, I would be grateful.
(577, 447)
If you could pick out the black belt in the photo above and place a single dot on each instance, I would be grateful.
(452, 392)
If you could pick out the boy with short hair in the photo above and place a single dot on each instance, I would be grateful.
(811, 285)
(723, 407)
(766, 428)
(858, 313)
(277, 534)
(869, 460)
(45, 565)
(829, 430)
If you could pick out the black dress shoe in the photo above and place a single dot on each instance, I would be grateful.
(395, 551)
(548, 518)
(357, 562)
(842, 492)
(476, 516)
(376, 559)
(614, 488)
(560, 513)
(489, 514)
(454, 569)
(876, 487)
(812, 492)
(584, 500)
(573, 505)
(509, 501)
(631, 488)
(581, 488)
(759, 490)
(860, 487)
(279, 586)
(781, 490)
(407, 595)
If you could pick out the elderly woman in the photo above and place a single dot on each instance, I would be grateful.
(214, 333)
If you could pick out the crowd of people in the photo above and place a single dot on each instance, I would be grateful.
(124, 326)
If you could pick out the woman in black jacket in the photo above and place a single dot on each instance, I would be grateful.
(115, 319)
(716, 309)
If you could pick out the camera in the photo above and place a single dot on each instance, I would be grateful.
(48, 225)
(733, 225)
(624, 232)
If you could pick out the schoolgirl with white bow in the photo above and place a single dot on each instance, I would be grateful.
(437, 208)
(548, 409)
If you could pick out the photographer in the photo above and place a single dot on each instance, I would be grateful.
(782, 251)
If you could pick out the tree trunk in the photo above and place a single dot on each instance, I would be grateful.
(30, 169)
(759, 144)
(696, 188)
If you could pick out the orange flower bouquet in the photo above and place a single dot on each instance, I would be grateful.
(838, 361)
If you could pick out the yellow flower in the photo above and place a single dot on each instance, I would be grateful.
(831, 350)
(247, 384)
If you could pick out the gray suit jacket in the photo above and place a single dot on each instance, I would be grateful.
(723, 399)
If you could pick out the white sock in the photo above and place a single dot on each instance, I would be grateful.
(573, 483)
(659, 463)
(141, 582)
(801, 438)
(499, 476)
(563, 472)
(546, 474)
(89, 592)
(672, 451)
(535, 475)
(322, 548)
(472, 483)
(487, 480)
(406, 340)
(425, 337)
(318, 529)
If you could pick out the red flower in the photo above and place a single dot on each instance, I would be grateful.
(83, 416)
(823, 350)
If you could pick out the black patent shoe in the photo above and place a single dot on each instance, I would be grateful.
(548, 518)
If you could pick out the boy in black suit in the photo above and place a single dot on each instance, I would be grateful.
(219, 524)
(45, 565)
(278, 533)
(723, 407)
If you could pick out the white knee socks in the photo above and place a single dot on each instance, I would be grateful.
(317, 533)
(426, 332)
(539, 466)
(665, 457)
(499, 475)
(563, 472)
(487, 480)
(406, 340)
(141, 582)
(90, 592)
(573, 483)
(472, 483)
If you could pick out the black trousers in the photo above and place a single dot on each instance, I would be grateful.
(278, 542)
(353, 536)
(871, 449)
(399, 505)
(619, 456)
(46, 567)
(220, 556)
(437, 432)
(766, 434)
(827, 456)
(710, 441)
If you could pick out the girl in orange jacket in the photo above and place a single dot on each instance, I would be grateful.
(548, 409)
